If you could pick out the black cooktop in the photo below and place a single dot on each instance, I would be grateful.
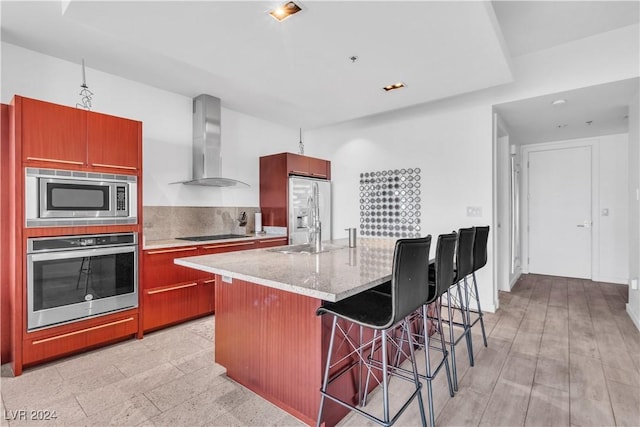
(212, 237)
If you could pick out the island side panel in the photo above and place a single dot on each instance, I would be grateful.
(271, 342)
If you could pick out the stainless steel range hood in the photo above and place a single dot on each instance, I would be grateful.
(207, 144)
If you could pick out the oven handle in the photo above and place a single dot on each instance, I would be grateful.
(82, 253)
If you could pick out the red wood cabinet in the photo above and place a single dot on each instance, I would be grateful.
(50, 343)
(113, 142)
(171, 293)
(274, 174)
(52, 133)
(59, 136)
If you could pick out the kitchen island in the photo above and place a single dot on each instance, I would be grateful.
(267, 335)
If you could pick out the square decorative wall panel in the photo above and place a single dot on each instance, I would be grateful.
(390, 203)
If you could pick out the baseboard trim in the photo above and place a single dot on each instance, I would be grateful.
(616, 280)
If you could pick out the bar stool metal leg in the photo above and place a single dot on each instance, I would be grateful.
(480, 315)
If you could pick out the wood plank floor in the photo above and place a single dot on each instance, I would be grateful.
(562, 352)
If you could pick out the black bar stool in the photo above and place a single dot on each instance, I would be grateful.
(479, 261)
(383, 313)
(457, 301)
(440, 278)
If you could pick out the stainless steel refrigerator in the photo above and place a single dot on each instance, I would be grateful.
(303, 207)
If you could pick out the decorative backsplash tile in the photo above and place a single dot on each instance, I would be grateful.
(390, 203)
(168, 222)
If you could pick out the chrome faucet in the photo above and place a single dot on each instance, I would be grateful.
(315, 230)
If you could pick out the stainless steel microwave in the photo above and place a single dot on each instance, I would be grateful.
(71, 198)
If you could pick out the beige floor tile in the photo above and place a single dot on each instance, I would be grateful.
(196, 361)
(181, 389)
(65, 411)
(42, 385)
(201, 410)
(547, 407)
(103, 398)
(552, 373)
(554, 346)
(518, 369)
(132, 412)
(587, 412)
(150, 379)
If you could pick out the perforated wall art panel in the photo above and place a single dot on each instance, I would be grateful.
(390, 203)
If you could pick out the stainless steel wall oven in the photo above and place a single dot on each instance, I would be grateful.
(70, 278)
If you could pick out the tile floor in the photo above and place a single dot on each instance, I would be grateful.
(561, 352)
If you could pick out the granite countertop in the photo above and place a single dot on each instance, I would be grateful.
(175, 243)
(331, 276)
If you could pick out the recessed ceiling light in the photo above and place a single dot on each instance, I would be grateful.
(394, 86)
(559, 102)
(284, 11)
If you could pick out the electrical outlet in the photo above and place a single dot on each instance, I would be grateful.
(474, 211)
(634, 284)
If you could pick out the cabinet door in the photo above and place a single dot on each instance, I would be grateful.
(297, 164)
(171, 304)
(113, 142)
(318, 168)
(159, 269)
(52, 133)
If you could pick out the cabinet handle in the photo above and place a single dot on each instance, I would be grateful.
(168, 251)
(41, 159)
(113, 166)
(93, 328)
(319, 174)
(174, 288)
(206, 282)
(229, 245)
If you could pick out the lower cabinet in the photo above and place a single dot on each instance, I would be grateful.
(51, 343)
(167, 305)
(174, 294)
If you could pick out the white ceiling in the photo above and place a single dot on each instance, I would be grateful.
(298, 72)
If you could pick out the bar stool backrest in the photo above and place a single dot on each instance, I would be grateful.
(480, 247)
(464, 253)
(445, 251)
(410, 276)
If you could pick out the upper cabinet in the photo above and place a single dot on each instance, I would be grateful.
(308, 166)
(113, 142)
(52, 133)
(274, 174)
(55, 135)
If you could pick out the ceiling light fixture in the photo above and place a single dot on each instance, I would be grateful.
(559, 102)
(284, 11)
(394, 86)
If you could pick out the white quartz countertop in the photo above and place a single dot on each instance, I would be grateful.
(330, 276)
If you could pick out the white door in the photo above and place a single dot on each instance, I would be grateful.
(560, 212)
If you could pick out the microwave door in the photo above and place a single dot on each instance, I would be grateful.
(74, 199)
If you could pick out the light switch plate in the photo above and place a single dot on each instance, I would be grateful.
(474, 211)
(634, 284)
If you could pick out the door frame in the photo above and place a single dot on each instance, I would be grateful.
(594, 144)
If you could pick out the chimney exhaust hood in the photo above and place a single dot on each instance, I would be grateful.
(207, 144)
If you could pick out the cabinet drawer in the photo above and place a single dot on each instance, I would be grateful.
(90, 334)
(160, 270)
(172, 304)
(269, 243)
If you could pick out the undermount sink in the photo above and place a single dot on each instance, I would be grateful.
(305, 249)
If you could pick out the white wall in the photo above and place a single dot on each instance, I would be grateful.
(455, 160)
(166, 131)
(633, 307)
(610, 238)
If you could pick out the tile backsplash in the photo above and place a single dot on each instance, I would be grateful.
(167, 222)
